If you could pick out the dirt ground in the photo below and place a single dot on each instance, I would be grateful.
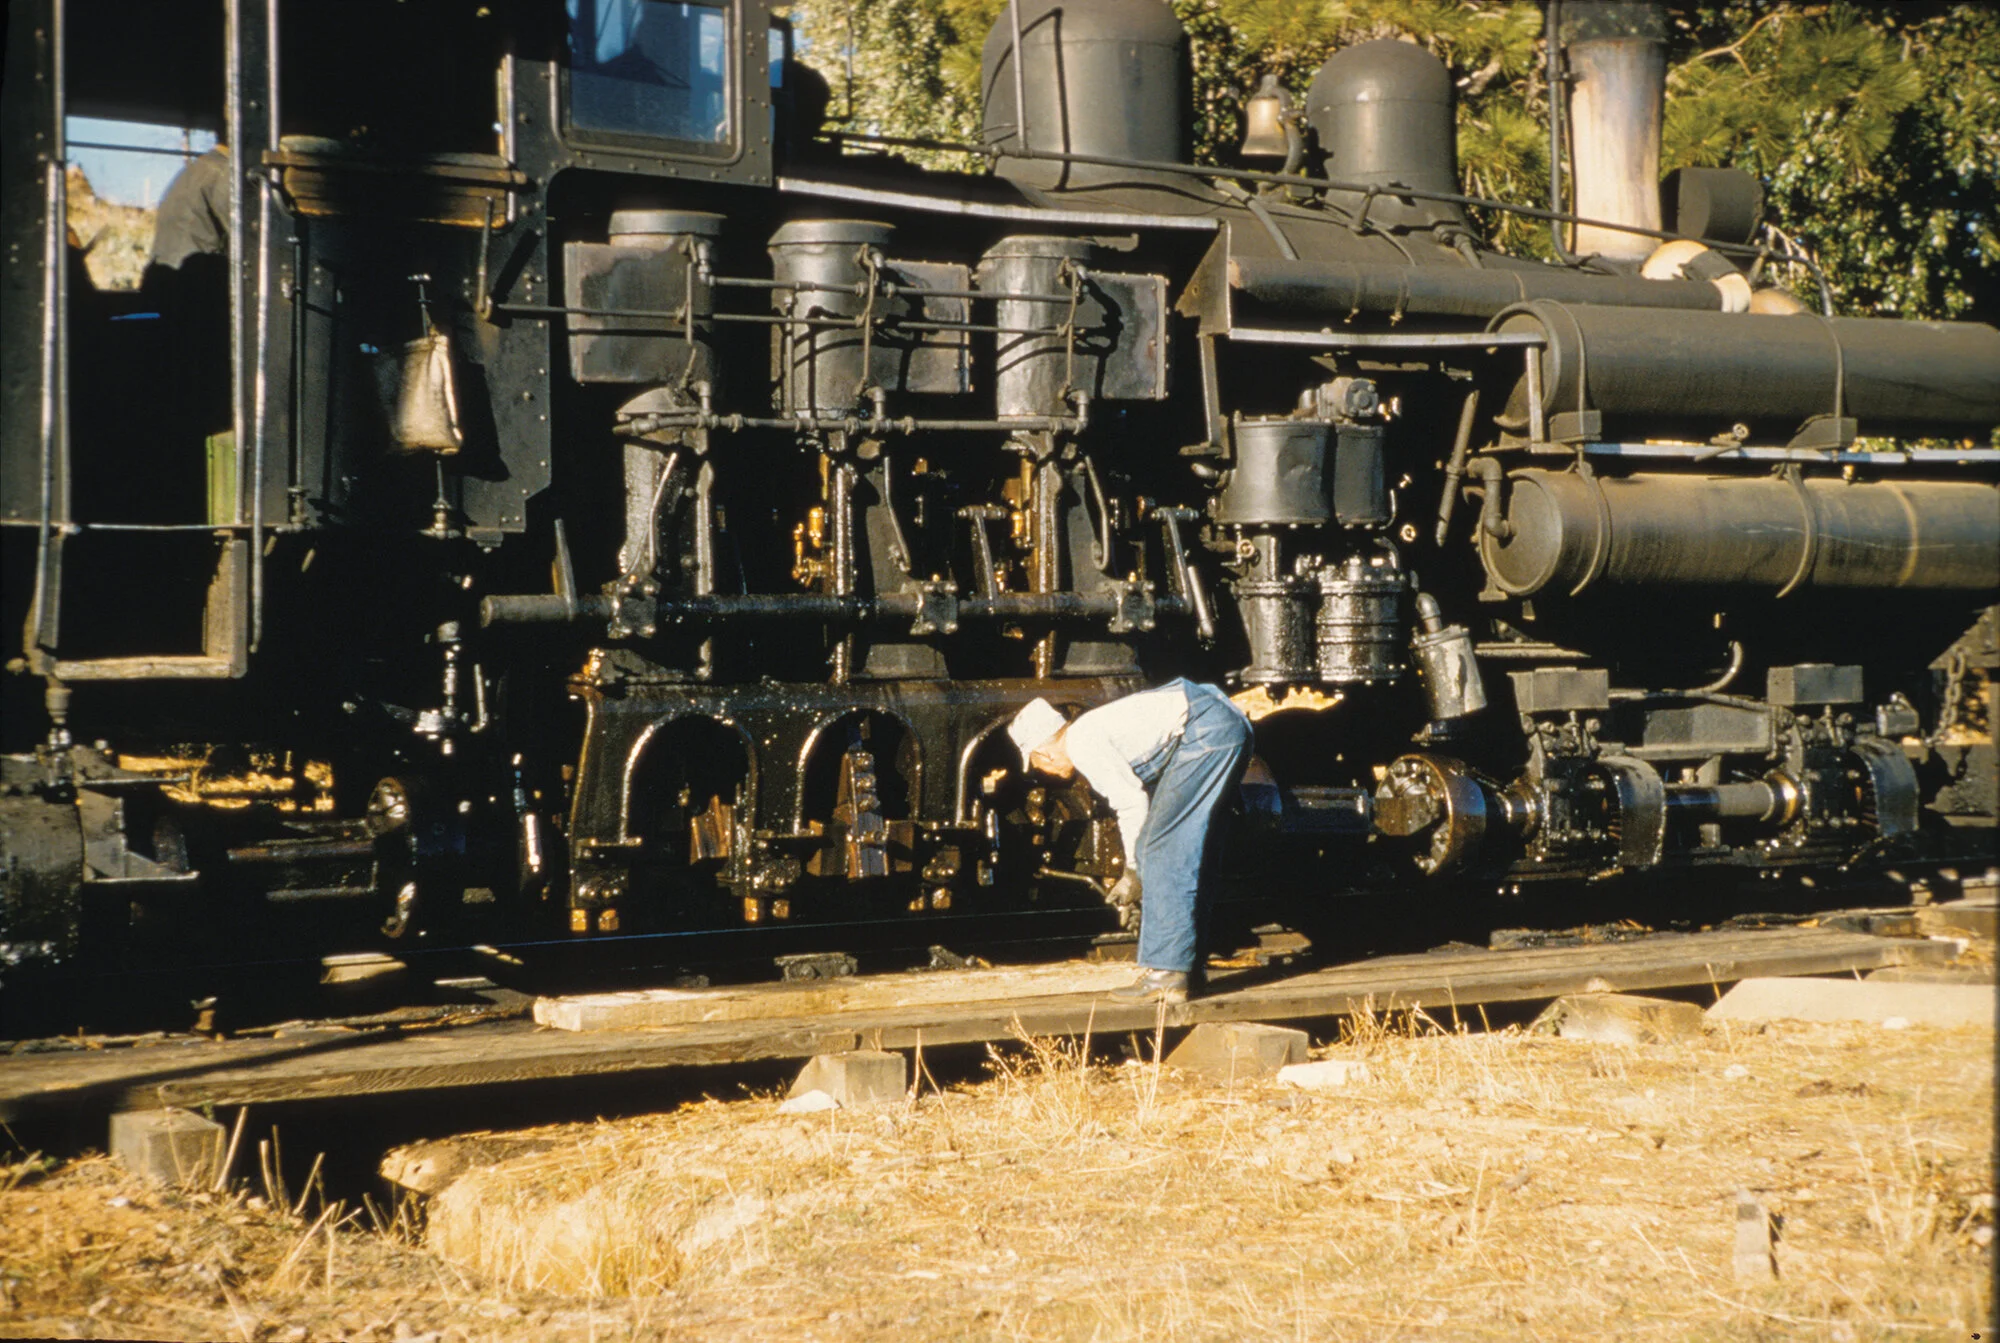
(1474, 1185)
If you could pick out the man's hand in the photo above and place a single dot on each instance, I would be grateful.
(1124, 896)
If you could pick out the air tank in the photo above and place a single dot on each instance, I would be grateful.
(1107, 78)
(1569, 533)
(1382, 111)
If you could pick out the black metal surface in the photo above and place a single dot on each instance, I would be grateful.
(41, 885)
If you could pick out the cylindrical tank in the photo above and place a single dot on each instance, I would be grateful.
(1029, 370)
(1571, 532)
(1107, 78)
(1692, 368)
(1278, 623)
(1360, 623)
(1618, 81)
(819, 369)
(1382, 112)
(1279, 476)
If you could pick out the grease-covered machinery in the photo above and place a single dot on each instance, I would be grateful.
(775, 479)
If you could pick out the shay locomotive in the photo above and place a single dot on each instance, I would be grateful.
(626, 510)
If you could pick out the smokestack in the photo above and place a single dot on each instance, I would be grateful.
(1618, 74)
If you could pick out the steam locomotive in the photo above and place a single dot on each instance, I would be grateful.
(631, 512)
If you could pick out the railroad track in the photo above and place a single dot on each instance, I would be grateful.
(469, 1050)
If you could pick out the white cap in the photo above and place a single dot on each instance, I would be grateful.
(1037, 722)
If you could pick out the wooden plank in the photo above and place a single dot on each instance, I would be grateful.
(365, 1063)
(640, 1009)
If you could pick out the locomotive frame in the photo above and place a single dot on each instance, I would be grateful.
(622, 531)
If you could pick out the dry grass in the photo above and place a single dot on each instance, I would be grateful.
(1477, 1186)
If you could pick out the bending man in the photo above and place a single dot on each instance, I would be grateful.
(1184, 744)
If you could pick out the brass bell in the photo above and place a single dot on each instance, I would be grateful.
(1267, 131)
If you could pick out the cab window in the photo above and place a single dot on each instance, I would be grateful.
(651, 69)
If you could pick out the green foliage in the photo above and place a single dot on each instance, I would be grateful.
(1876, 129)
(1875, 124)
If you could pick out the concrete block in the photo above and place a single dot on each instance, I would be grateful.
(1870, 1000)
(1755, 1237)
(1238, 1051)
(1619, 1019)
(856, 1078)
(1325, 1075)
(1978, 919)
(172, 1146)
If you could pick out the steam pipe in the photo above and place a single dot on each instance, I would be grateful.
(551, 608)
(1558, 96)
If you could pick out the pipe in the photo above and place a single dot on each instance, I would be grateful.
(1558, 91)
(1491, 476)
(551, 608)
(1767, 800)
(1454, 471)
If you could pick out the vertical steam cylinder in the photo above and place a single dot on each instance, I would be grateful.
(820, 369)
(1360, 623)
(1030, 371)
(1618, 79)
(1278, 624)
(1107, 78)
(1382, 112)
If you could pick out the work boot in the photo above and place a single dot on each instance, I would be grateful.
(1155, 986)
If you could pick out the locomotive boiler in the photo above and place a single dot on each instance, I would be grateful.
(626, 511)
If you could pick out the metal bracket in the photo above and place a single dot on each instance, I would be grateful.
(1135, 613)
(1576, 426)
(1826, 433)
(937, 609)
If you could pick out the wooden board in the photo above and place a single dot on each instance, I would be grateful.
(397, 1060)
(643, 1008)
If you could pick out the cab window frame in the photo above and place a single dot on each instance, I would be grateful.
(717, 153)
